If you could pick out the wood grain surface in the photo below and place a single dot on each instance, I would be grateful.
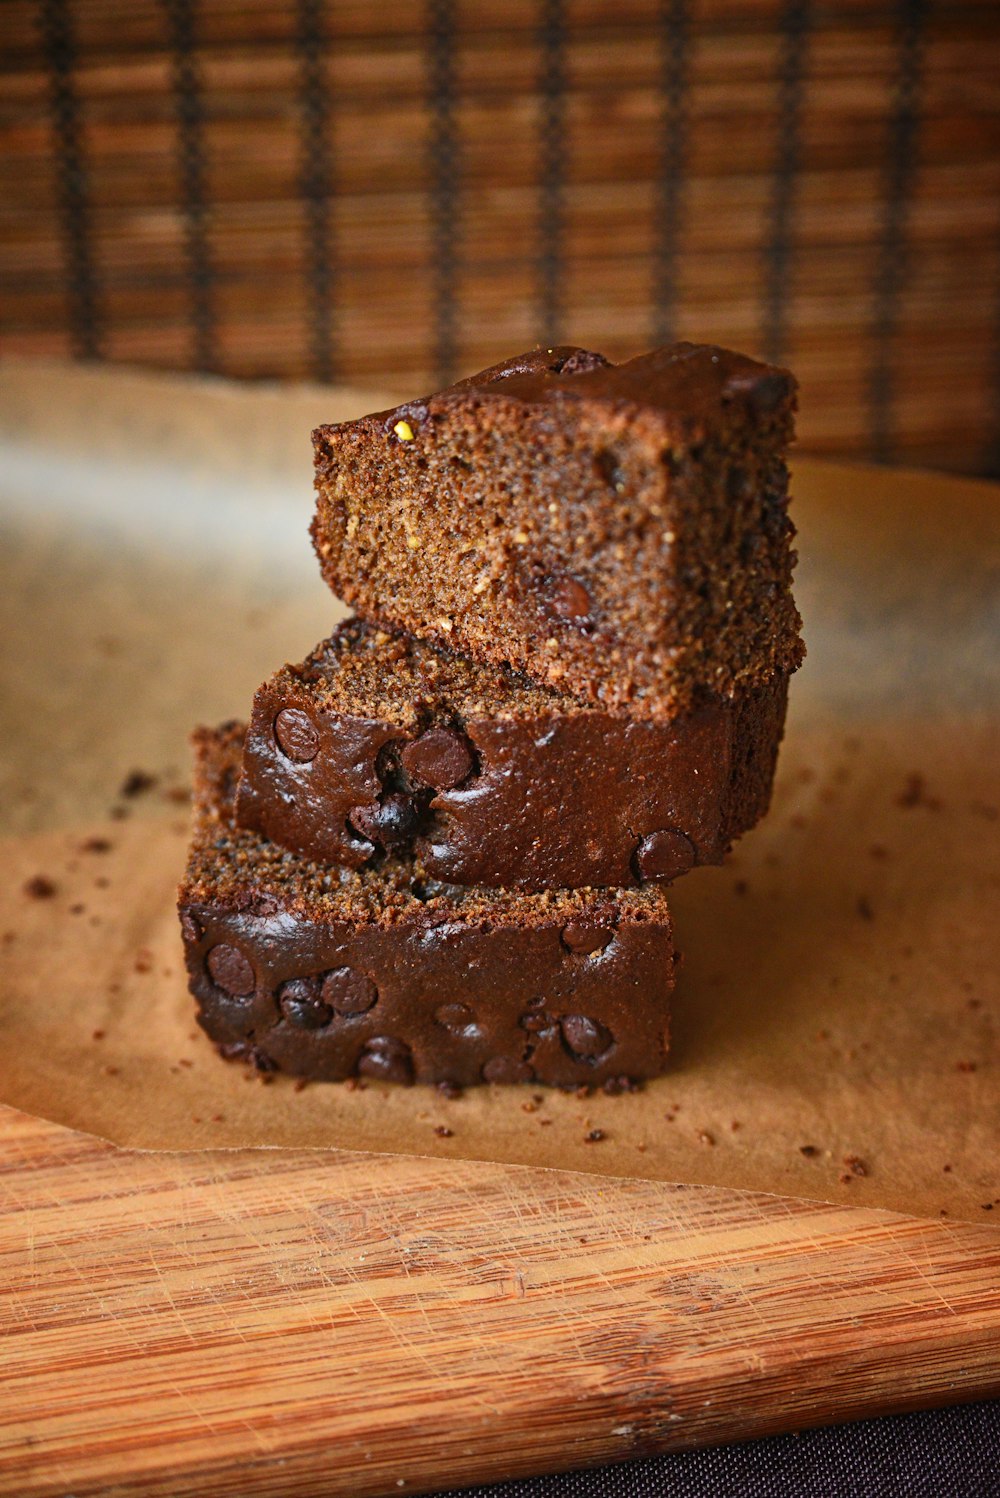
(240, 1323)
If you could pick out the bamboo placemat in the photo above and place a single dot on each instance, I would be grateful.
(344, 191)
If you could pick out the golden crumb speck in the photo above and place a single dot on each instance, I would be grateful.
(403, 431)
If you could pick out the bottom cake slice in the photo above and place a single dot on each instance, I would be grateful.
(330, 973)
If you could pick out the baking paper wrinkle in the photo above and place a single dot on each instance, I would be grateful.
(835, 1022)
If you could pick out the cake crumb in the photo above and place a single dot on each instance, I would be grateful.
(809, 1150)
(594, 1136)
(40, 887)
(443, 1131)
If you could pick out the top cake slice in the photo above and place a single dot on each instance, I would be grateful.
(616, 531)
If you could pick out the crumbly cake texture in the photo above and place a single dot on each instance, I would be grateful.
(379, 743)
(384, 972)
(618, 532)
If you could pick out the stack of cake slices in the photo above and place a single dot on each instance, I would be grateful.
(439, 851)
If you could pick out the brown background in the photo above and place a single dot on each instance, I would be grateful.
(386, 194)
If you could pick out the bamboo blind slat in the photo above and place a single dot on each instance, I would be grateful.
(326, 189)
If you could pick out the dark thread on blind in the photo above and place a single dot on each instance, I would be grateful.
(440, 40)
(674, 68)
(990, 466)
(316, 186)
(72, 179)
(552, 173)
(891, 263)
(190, 169)
(796, 20)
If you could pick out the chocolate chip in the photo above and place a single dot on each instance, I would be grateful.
(507, 1069)
(611, 470)
(440, 758)
(665, 854)
(296, 735)
(537, 1022)
(387, 1058)
(300, 1003)
(261, 1061)
(191, 928)
(391, 822)
(762, 389)
(583, 938)
(458, 1018)
(585, 1038)
(738, 482)
(567, 598)
(349, 992)
(230, 970)
(614, 1086)
(581, 360)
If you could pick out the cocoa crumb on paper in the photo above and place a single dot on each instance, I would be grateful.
(136, 783)
(915, 793)
(40, 887)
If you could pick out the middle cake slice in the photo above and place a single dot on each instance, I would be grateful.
(381, 743)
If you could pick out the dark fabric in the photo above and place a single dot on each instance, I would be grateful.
(953, 1453)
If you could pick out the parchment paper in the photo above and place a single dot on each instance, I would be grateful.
(835, 1029)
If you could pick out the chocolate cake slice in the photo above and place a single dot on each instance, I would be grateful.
(385, 972)
(380, 743)
(618, 532)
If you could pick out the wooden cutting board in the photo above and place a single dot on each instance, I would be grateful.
(243, 1323)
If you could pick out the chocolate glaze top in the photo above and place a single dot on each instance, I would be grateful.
(695, 386)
